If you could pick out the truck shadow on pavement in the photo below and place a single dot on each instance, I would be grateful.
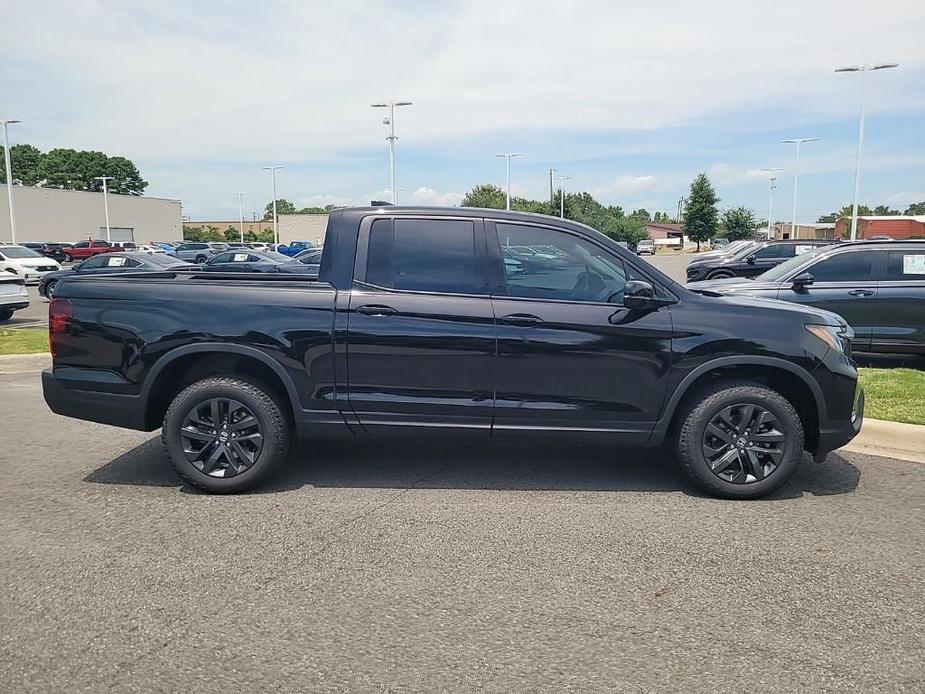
(505, 466)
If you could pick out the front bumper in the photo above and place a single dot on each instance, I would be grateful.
(834, 434)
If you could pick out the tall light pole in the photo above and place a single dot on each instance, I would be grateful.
(240, 195)
(507, 159)
(105, 201)
(796, 177)
(562, 180)
(272, 170)
(9, 175)
(390, 121)
(863, 69)
(771, 195)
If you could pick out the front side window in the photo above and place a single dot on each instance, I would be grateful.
(541, 263)
(430, 255)
(854, 266)
(226, 258)
(93, 263)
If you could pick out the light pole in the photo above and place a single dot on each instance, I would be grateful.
(240, 195)
(272, 170)
(771, 195)
(796, 178)
(863, 69)
(507, 159)
(390, 121)
(9, 175)
(562, 180)
(105, 202)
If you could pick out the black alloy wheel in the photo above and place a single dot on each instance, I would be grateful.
(743, 443)
(221, 437)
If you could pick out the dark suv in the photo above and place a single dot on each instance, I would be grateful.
(877, 286)
(750, 260)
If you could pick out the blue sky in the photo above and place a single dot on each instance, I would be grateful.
(630, 100)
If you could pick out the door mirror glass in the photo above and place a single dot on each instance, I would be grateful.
(804, 279)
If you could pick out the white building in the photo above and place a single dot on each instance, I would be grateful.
(49, 214)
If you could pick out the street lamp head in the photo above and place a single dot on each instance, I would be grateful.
(403, 103)
(9, 121)
(866, 68)
(379, 105)
(800, 140)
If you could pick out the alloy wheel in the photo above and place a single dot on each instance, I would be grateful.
(743, 443)
(50, 289)
(221, 437)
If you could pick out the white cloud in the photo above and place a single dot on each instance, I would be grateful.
(626, 185)
(431, 198)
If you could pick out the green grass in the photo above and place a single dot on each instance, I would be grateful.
(23, 340)
(894, 394)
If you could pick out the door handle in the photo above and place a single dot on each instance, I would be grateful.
(521, 320)
(376, 310)
(861, 292)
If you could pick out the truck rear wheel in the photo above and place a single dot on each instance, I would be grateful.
(740, 440)
(225, 435)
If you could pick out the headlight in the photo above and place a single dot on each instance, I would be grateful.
(835, 336)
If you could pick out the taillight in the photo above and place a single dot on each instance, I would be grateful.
(59, 322)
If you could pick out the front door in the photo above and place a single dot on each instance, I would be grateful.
(572, 359)
(421, 335)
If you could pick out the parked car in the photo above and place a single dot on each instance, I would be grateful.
(259, 246)
(310, 258)
(877, 287)
(110, 263)
(719, 243)
(645, 247)
(293, 248)
(87, 249)
(168, 248)
(236, 244)
(55, 250)
(751, 260)
(218, 246)
(26, 263)
(726, 251)
(13, 295)
(248, 260)
(417, 306)
(124, 245)
(195, 252)
(150, 249)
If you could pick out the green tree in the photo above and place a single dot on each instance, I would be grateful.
(487, 196)
(642, 214)
(915, 208)
(283, 206)
(71, 169)
(739, 223)
(24, 161)
(193, 234)
(843, 213)
(884, 211)
(701, 218)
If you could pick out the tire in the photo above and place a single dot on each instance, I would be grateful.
(719, 275)
(200, 260)
(5, 314)
(50, 289)
(222, 476)
(753, 469)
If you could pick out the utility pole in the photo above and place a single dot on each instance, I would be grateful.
(562, 180)
(551, 194)
(771, 195)
(9, 175)
(105, 202)
(240, 195)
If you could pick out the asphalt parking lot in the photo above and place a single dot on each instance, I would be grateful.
(446, 567)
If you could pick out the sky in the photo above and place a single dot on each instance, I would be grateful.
(630, 100)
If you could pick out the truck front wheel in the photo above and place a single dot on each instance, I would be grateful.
(225, 435)
(740, 440)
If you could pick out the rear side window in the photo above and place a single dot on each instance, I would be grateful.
(100, 244)
(844, 267)
(430, 255)
(906, 265)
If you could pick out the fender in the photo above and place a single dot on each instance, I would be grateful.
(229, 348)
(661, 427)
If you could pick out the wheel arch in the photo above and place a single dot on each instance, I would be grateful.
(790, 380)
(182, 366)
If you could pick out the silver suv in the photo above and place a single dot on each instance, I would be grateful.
(195, 252)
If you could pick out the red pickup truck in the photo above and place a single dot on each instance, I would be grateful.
(87, 249)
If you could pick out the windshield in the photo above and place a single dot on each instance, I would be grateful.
(782, 270)
(19, 252)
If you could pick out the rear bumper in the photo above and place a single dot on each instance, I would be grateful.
(119, 410)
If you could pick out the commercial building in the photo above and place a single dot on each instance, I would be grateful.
(821, 230)
(897, 227)
(292, 227)
(50, 214)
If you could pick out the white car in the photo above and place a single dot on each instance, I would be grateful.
(26, 263)
(13, 295)
(150, 250)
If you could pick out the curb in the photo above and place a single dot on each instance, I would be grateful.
(24, 363)
(877, 437)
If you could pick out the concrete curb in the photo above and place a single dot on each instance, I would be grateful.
(877, 437)
(24, 363)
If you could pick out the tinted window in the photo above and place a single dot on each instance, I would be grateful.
(546, 264)
(844, 267)
(774, 251)
(93, 263)
(100, 244)
(423, 255)
(225, 258)
(82, 244)
(906, 265)
(119, 261)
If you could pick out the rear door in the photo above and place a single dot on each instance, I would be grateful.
(572, 359)
(421, 334)
(900, 323)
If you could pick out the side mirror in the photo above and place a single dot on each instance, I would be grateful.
(638, 294)
(804, 279)
(750, 260)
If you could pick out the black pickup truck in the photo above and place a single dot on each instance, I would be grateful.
(427, 321)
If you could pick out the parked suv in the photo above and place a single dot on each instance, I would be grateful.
(87, 249)
(878, 287)
(195, 252)
(416, 326)
(750, 260)
(645, 247)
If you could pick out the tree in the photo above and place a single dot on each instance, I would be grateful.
(71, 169)
(701, 218)
(283, 206)
(739, 223)
(884, 211)
(642, 214)
(486, 195)
(24, 161)
(843, 213)
(915, 208)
